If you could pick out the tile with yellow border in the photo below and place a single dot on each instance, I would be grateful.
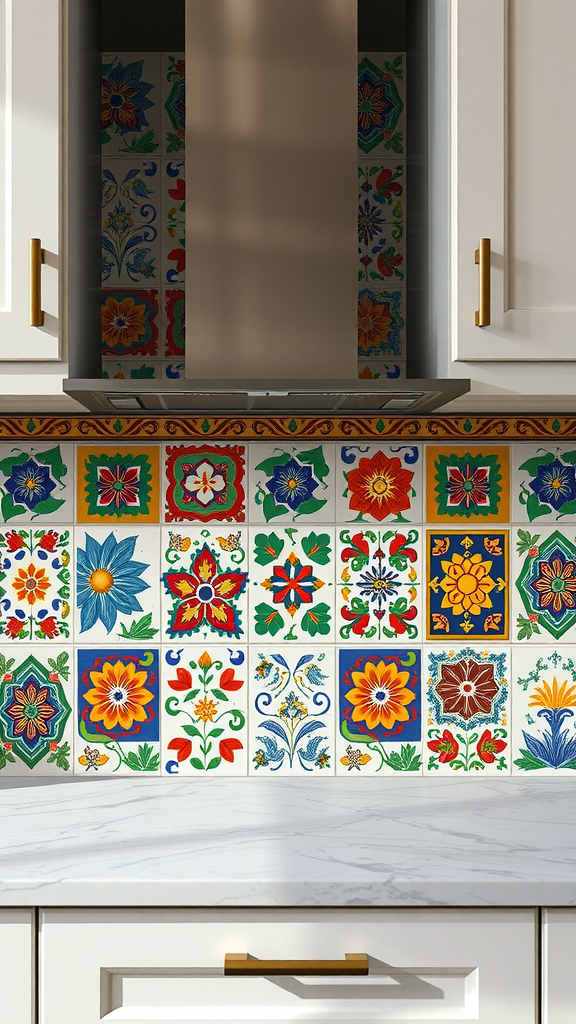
(117, 483)
(467, 484)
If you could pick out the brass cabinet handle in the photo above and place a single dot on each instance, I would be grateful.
(36, 261)
(241, 965)
(482, 261)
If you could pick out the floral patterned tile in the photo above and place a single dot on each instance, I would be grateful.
(174, 102)
(289, 481)
(292, 584)
(36, 481)
(543, 702)
(205, 579)
(468, 585)
(35, 582)
(544, 601)
(204, 483)
(131, 197)
(379, 576)
(381, 224)
(130, 323)
(175, 319)
(173, 222)
(116, 483)
(131, 94)
(292, 695)
(131, 369)
(373, 369)
(468, 711)
(381, 102)
(117, 584)
(379, 711)
(173, 371)
(380, 482)
(204, 711)
(118, 718)
(381, 324)
(467, 484)
(36, 709)
(544, 483)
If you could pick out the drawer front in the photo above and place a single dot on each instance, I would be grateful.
(167, 965)
(17, 966)
(558, 951)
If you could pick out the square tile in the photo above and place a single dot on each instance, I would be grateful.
(35, 581)
(117, 584)
(37, 481)
(130, 323)
(131, 93)
(36, 705)
(381, 483)
(292, 695)
(380, 580)
(373, 369)
(292, 584)
(381, 101)
(467, 484)
(131, 198)
(204, 711)
(544, 483)
(173, 222)
(205, 483)
(384, 184)
(288, 481)
(118, 718)
(174, 102)
(379, 711)
(116, 483)
(173, 371)
(130, 369)
(175, 319)
(205, 578)
(381, 224)
(543, 702)
(468, 584)
(381, 324)
(544, 602)
(468, 711)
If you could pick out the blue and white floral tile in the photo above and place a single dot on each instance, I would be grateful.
(467, 707)
(381, 369)
(292, 592)
(117, 593)
(205, 483)
(205, 710)
(132, 369)
(36, 482)
(204, 585)
(118, 711)
(381, 323)
(381, 104)
(292, 481)
(173, 223)
(173, 103)
(131, 222)
(544, 591)
(291, 717)
(131, 97)
(544, 483)
(36, 565)
(381, 227)
(36, 711)
(544, 709)
(379, 483)
(379, 724)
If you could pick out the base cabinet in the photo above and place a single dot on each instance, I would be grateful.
(17, 966)
(558, 956)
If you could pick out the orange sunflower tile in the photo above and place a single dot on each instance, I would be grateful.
(467, 484)
(118, 484)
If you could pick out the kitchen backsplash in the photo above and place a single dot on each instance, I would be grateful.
(293, 606)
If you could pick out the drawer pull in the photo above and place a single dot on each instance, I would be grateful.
(482, 261)
(241, 964)
(36, 261)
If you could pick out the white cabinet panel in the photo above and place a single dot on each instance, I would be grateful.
(16, 966)
(167, 965)
(558, 955)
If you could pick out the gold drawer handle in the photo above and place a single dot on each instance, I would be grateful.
(36, 261)
(242, 965)
(482, 261)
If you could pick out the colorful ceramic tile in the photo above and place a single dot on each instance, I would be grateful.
(117, 584)
(543, 702)
(468, 585)
(381, 95)
(545, 593)
(292, 695)
(204, 711)
(380, 324)
(129, 323)
(205, 483)
(131, 370)
(379, 712)
(468, 711)
(118, 719)
(467, 484)
(175, 306)
(544, 483)
(173, 371)
(380, 482)
(130, 104)
(174, 227)
(35, 582)
(372, 369)
(174, 95)
(36, 481)
(289, 481)
(379, 577)
(205, 578)
(384, 185)
(118, 483)
(381, 224)
(292, 584)
(131, 194)
(35, 712)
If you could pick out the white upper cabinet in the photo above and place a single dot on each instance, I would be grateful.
(513, 93)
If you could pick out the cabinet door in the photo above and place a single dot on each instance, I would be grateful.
(558, 953)
(29, 200)
(16, 966)
(513, 172)
(167, 965)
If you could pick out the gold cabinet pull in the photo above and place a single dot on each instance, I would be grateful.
(482, 261)
(36, 261)
(242, 965)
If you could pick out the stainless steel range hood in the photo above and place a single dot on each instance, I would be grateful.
(271, 223)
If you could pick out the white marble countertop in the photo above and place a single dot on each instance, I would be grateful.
(218, 842)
